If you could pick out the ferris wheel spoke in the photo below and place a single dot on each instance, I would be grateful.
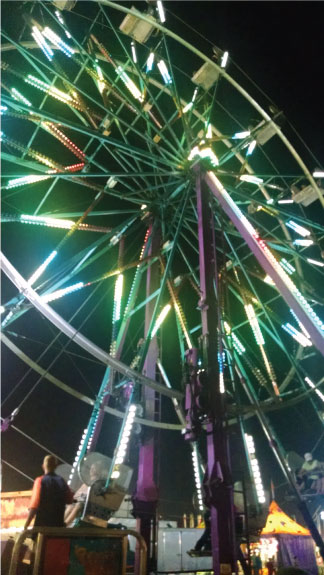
(192, 272)
(77, 266)
(144, 82)
(72, 86)
(87, 131)
(130, 64)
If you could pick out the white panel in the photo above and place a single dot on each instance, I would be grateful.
(169, 550)
(173, 545)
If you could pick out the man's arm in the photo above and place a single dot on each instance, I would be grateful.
(31, 515)
(34, 502)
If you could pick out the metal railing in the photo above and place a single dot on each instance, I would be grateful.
(44, 534)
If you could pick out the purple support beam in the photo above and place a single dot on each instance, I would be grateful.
(218, 481)
(286, 287)
(106, 386)
(145, 498)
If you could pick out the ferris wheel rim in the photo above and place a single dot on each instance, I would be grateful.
(178, 38)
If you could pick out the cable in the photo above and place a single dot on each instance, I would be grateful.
(66, 345)
(232, 61)
(73, 363)
(18, 471)
(304, 143)
(37, 443)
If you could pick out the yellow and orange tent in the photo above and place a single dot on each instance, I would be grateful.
(278, 523)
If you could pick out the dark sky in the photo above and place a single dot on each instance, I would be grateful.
(279, 45)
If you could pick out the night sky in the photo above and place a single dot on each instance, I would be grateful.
(279, 45)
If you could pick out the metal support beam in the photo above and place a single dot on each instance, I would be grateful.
(218, 481)
(288, 290)
(145, 498)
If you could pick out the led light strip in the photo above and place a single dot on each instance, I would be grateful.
(77, 457)
(50, 127)
(224, 60)
(121, 449)
(160, 11)
(33, 154)
(304, 243)
(241, 135)
(287, 266)
(57, 223)
(16, 95)
(297, 335)
(150, 62)
(181, 317)
(312, 385)
(129, 84)
(160, 319)
(52, 91)
(42, 268)
(61, 292)
(251, 179)
(92, 430)
(164, 72)
(251, 148)
(238, 346)
(58, 42)
(61, 20)
(74, 167)
(316, 263)
(137, 270)
(305, 332)
(40, 40)
(190, 104)
(134, 55)
(221, 360)
(255, 468)
(17, 182)
(297, 228)
(118, 297)
(197, 475)
(209, 130)
(253, 321)
(45, 221)
(101, 81)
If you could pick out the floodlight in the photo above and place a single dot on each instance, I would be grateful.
(138, 29)
(206, 76)
(64, 4)
(265, 130)
(306, 195)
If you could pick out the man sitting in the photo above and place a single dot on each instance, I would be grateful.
(310, 474)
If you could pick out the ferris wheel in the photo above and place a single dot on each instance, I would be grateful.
(134, 166)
